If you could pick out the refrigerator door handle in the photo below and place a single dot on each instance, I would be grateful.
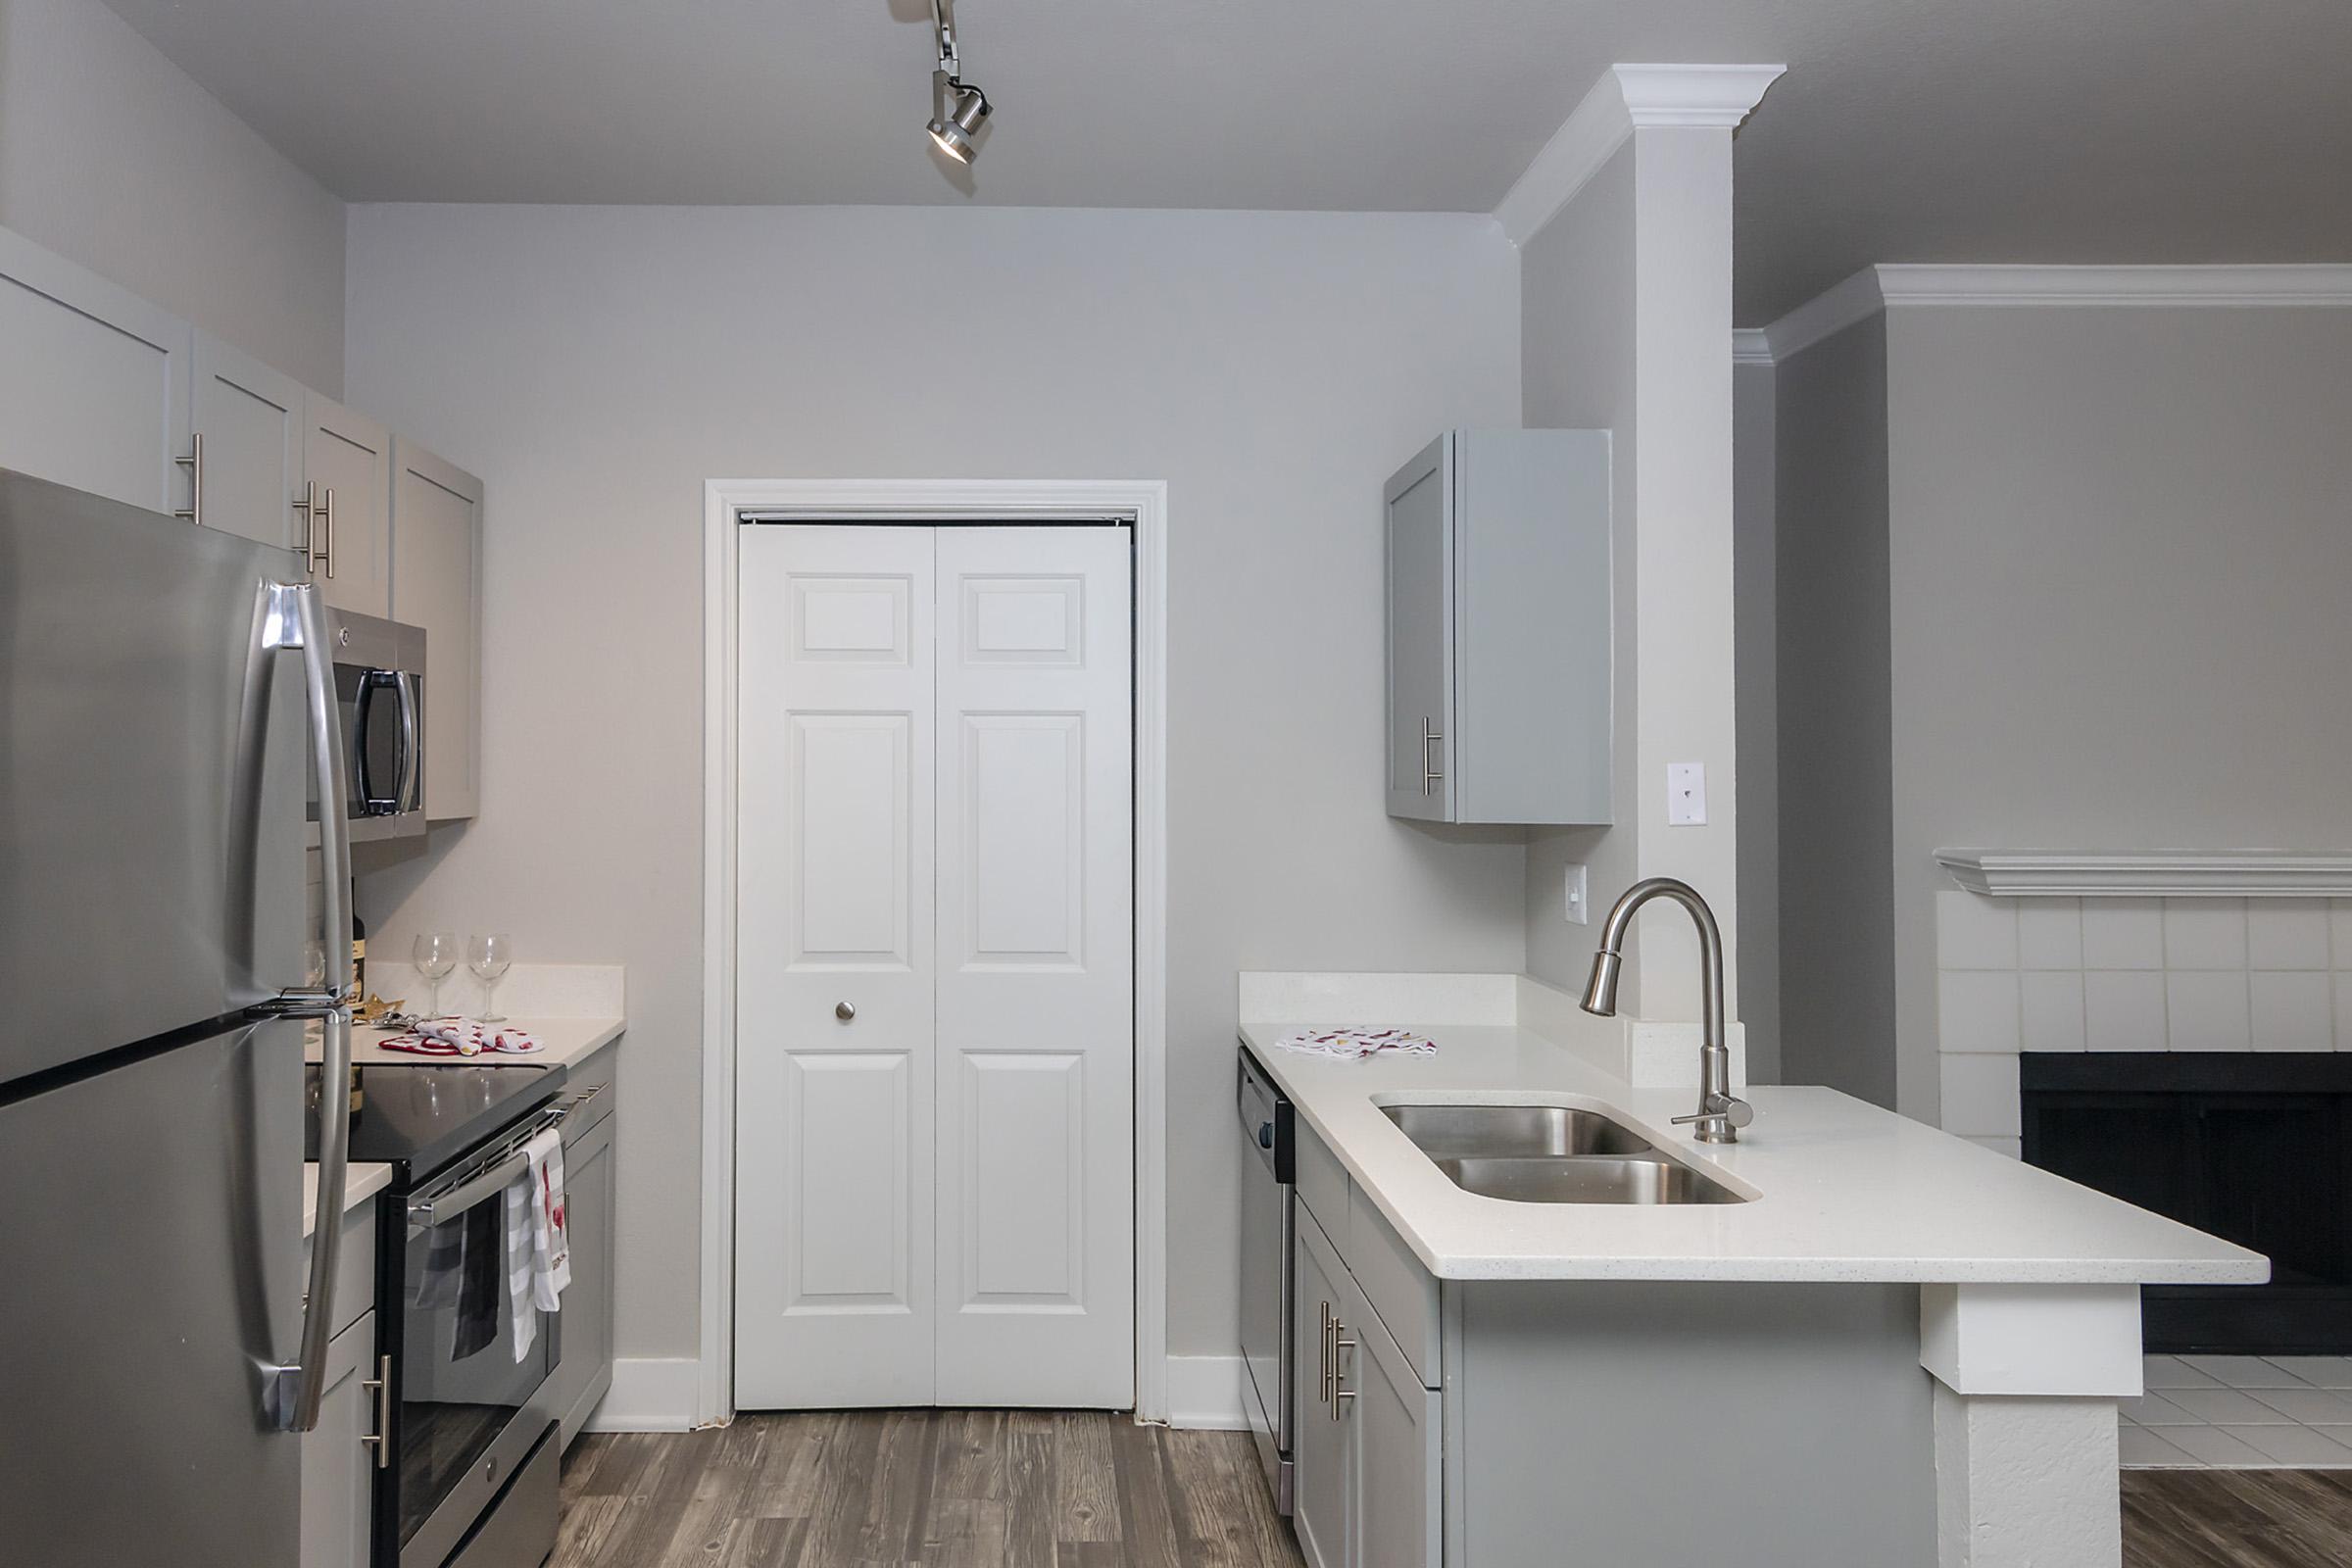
(294, 618)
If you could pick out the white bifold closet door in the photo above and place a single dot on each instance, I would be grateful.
(934, 967)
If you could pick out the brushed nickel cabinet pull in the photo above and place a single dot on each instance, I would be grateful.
(1432, 775)
(193, 511)
(379, 1385)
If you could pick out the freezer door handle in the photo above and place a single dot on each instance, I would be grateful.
(294, 618)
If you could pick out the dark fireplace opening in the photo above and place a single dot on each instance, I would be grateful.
(2253, 1148)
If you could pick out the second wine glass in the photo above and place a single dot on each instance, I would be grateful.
(490, 958)
(435, 953)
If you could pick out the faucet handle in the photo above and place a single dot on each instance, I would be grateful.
(1721, 1111)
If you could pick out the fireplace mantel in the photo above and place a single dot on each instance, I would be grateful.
(2152, 873)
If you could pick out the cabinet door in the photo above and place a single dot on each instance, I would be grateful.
(251, 419)
(347, 461)
(586, 1369)
(1322, 1447)
(436, 584)
(1421, 742)
(1398, 1425)
(94, 381)
(339, 1461)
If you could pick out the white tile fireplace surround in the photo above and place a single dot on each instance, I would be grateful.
(2132, 973)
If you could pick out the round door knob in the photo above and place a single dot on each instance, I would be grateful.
(844, 1011)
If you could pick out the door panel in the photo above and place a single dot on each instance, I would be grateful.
(1400, 1458)
(1420, 638)
(347, 462)
(1036, 986)
(251, 419)
(1322, 1445)
(338, 1467)
(94, 381)
(834, 1176)
(153, 1238)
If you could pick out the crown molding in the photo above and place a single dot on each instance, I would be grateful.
(1891, 284)
(1624, 99)
(1749, 345)
(2151, 873)
(2180, 286)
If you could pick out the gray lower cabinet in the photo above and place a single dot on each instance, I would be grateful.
(584, 1371)
(1369, 1444)
(339, 1455)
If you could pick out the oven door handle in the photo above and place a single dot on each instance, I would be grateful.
(446, 1207)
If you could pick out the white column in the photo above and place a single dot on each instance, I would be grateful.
(2027, 1381)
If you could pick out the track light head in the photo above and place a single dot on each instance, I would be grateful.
(957, 108)
(955, 127)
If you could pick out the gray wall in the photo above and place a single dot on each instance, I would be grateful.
(2121, 559)
(1575, 371)
(1835, 704)
(112, 157)
(1754, 552)
(596, 365)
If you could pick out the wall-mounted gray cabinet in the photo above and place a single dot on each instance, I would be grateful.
(1498, 629)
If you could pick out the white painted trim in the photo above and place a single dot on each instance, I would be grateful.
(1146, 503)
(652, 1393)
(1750, 346)
(1826, 314)
(1624, 98)
(2151, 874)
(2073, 1341)
(1877, 288)
(2320, 284)
(1205, 1393)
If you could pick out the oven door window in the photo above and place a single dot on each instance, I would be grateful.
(460, 1381)
(374, 739)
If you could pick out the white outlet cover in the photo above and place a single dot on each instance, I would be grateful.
(1579, 908)
(1685, 794)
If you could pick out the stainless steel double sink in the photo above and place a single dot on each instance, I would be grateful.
(1552, 1154)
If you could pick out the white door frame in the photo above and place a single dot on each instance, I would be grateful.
(1144, 505)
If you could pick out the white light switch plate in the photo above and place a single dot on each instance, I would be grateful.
(1579, 913)
(1685, 794)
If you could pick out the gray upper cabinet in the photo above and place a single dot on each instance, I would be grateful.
(1498, 654)
(249, 420)
(436, 582)
(348, 494)
(94, 381)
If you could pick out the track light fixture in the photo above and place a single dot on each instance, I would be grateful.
(958, 107)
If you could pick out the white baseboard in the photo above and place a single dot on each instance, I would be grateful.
(1205, 1391)
(650, 1395)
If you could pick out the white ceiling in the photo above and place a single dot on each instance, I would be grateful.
(1944, 130)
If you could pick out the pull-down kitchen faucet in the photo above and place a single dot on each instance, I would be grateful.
(1720, 1114)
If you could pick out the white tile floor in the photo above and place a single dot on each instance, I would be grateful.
(2240, 1412)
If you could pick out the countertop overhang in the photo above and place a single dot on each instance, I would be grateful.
(1846, 1192)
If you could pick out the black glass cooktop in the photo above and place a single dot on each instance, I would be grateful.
(418, 1118)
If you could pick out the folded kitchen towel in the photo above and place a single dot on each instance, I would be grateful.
(461, 1037)
(538, 1261)
(1349, 1044)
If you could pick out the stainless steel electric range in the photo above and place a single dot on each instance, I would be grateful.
(467, 1478)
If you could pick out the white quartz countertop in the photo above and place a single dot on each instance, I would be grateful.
(1843, 1189)
(360, 1183)
(561, 1041)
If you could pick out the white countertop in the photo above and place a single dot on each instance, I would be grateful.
(360, 1183)
(561, 1041)
(1844, 1191)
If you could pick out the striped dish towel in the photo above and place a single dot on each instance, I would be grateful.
(1351, 1044)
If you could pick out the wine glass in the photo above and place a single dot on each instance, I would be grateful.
(490, 958)
(435, 953)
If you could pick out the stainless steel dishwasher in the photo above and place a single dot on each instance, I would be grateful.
(1269, 1224)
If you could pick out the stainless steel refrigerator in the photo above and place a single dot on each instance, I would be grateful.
(166, 710)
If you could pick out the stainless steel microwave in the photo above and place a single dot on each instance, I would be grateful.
(380, 697)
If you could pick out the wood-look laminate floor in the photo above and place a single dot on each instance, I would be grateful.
(921, 1488)
(2237, 1518)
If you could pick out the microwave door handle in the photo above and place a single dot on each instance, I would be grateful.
(293, 619)
(412, 744)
